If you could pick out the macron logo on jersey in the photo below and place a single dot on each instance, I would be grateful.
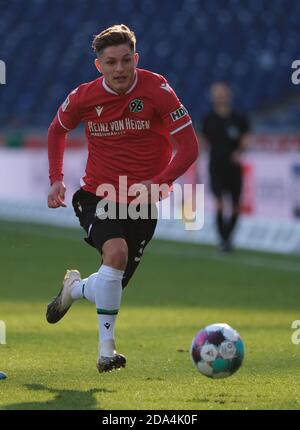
(99, 110)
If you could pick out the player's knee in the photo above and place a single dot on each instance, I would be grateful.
(116, 257)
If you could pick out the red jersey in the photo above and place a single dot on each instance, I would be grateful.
(127, 134)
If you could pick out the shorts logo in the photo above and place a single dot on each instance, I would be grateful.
(179, 113)
(136, 105)
(100, 211)
(141, 250)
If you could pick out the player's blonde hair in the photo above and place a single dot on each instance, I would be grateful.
(116, 35)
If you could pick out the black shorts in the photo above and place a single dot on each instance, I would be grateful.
(226, 179)
(136, 232)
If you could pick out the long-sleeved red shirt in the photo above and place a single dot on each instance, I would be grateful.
(128, 135)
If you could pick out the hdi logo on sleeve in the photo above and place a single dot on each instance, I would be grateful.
(178, 113)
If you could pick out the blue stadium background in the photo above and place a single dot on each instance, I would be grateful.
(46, 45)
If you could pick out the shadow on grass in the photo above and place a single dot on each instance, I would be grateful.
(63, 400)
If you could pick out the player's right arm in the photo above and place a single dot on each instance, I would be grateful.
(66, 119)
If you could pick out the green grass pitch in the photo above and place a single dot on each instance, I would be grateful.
(178, 289)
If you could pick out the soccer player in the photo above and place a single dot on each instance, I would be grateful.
(226, 132)
(130, 115)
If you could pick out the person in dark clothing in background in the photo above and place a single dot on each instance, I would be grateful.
(227, 134)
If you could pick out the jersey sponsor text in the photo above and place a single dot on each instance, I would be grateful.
(116, 127)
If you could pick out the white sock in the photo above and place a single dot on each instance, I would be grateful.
(108, 293)
(85, 289)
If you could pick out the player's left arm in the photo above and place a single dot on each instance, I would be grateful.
(178, 122)
(186, 154)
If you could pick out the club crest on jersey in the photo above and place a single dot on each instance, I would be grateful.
(136, 105)
(178, 113)
(99, 110)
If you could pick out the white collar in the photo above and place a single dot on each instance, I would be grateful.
(109, 90)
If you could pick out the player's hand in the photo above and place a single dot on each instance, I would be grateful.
(56, 196)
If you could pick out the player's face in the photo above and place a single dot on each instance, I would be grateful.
(118, 64)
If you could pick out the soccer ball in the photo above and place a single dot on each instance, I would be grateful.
(217, 351)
